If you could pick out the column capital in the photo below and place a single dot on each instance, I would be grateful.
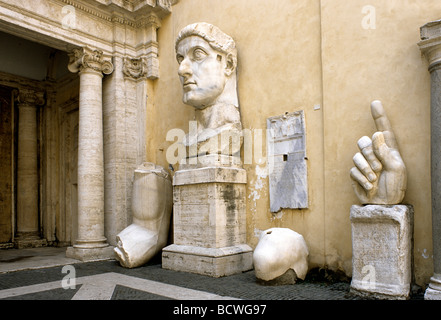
(86, 59)
(430, 44)
(30, 97)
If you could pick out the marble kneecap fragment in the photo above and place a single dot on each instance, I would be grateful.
(279, 250)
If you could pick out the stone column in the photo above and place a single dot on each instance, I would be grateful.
(91, 243)
(430, 45)
(28, 234)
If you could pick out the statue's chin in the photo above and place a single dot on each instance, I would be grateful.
(196, 103)
(201, 99)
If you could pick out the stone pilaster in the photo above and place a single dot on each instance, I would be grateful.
(149, 49)
(91, 243)
(136, 72)
(124, 115)
(430, 45)
(28, 234)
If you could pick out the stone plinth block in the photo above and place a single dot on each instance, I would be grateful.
(288, 177)
(92, 254)
(213, 262)
(382, 251)
(209, 222)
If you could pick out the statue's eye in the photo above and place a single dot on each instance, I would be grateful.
(199, 54)
(179, 58)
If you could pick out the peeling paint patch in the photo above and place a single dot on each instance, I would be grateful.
(261, 173)
(255, 195)
(259, 184)
(425, 254)
(278, 216)
(257, 233)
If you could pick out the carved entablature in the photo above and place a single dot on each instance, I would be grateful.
(81, 59)
(159, 7)
(116, 27)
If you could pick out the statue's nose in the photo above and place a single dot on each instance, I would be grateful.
(185, 68)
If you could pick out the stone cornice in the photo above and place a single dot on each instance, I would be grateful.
(129, 9)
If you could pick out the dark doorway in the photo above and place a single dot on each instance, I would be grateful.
(6, 165)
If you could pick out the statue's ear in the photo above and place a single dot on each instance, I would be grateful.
(231, 64)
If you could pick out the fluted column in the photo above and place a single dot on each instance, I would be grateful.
(91, 243)
(431, 47)
(27, 168)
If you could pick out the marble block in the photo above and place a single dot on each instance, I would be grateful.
(382, 251)
(213, 262)
(278, 251)
(288, 174)
(209, 222)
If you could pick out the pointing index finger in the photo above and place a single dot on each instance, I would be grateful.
(383, 124)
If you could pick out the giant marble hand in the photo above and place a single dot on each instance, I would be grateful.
(379, 175)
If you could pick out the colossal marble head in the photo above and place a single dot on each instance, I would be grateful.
(207, 60)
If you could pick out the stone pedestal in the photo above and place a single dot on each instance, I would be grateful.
(382, 251)
(209, 222)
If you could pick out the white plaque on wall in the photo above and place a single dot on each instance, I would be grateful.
(288, 178)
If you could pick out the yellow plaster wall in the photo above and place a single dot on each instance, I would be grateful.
(361, 65)
(315, 56)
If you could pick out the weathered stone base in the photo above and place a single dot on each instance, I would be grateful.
(29, 240)
(382, 251)
(30, 243)
(90, 254)
(433, 292)
(213, 262)
(379, 291)
(209, 222)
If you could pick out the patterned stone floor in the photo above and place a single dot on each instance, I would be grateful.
(45, 274)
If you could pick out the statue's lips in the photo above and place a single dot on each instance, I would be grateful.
(189, 85)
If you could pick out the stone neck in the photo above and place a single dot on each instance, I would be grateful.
(216, 116)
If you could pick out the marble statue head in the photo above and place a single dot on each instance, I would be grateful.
(207, 60)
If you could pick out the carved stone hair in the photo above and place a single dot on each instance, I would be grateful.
(216, 38)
